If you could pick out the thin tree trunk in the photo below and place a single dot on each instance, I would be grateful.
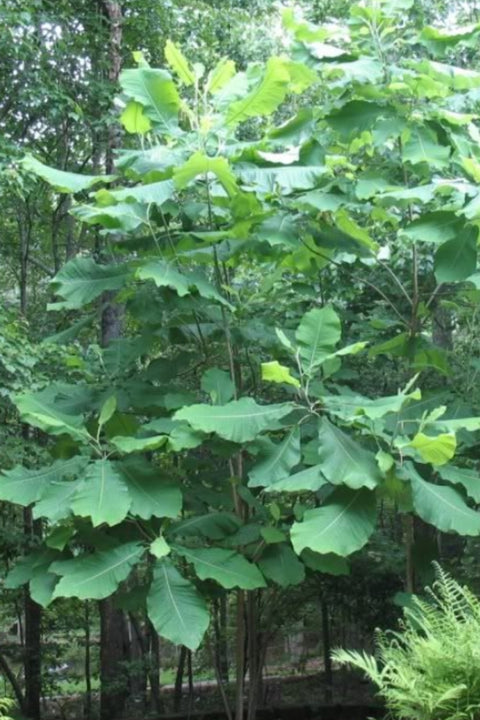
(177, 693)
(154, 668)
(87, 708)
(327, 660)
(33, 620)
(240, 656)
(17, 690)
(113, 656)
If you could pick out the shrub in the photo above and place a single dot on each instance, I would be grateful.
(430, 668)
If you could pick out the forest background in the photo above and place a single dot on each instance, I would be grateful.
(238, 382)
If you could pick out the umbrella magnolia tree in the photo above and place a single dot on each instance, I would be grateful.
(224, 440)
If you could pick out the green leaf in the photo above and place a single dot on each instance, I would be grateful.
(436, 450)
(34, 569)
(274, 372)
(65, 182)
(156, 91)
(200, 164)
(126, 217)
(127, 444)
(156, 192)
(423, 146)
(24, 486)
(98, 575)
(468, 479)
(134, 119)
(280, 564)
(227, 567)
(160, 548)
(56, 500)
(39, 410)
(457, 259)
(178, 612)
(285, 179)
(108, 408)
(309, 480)
(341, 526)
(151, 493)
(218, 384)
(355, 117)
(164, 274)
(318, 333)
(343, 461)
(276, 460)
(265, 97)
(102, 495)
(221, 74)
(441, 506)
(179, 63)
(82, 280)
(329, 563)
(214, 526)
(435, 227)
(239, 421)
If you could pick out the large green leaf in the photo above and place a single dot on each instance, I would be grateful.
(164, 274)
(179, 63)
(457, 259)
(125, 217)
(239, 421)
(317, 335)
(152, 495)
(341, 526)
(434, 227)
(82, 280)
(343, 461)
(442, 506)
(309, 480)
(102, 495)
(423, 146)
(157, 192)
(276, 460)
(214, 526)
(285, 179)
(34, 569)
(200, 164)
(265, 97)
(56, 500)
(24, 486)
(65, 182)
(227, 567)
(435, 449)
(468, 479)
(218, 384)
(279, 563)
(98, 575)
(329, 563)
(39, 410)
(156, 91)
(178, 612)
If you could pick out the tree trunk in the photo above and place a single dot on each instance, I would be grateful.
(327, 660)
(113, 659)
(177, 693)
(33, 620)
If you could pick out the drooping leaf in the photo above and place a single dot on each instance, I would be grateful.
(178, 612)
(279, 563)
(38, 409)
(125, 217)
(214, 526)
(457, 258)
(203, 165)
(340, 526)
(151, 493)
(23, 486)
(239, 421)
(437, 450)
(164, 274)
(276, 461)
(330, 564)
(156, 192)
(274, 372)
(468, 479)
(65, 182)
(318, 333)
(82, 280)
(34, 569)
(423, 146)
(96, 576)
(442, 506)
(102, 494)
(156, 91)
(221, 74)
(309, 480)
(134, 119)
(227, 567)
(343, 461)
(218, 384)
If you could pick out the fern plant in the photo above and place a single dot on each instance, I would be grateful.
(430, 668)
(6, 706)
